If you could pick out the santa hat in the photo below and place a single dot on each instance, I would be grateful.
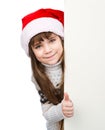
(42, 20)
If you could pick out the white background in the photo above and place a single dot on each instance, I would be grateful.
(19, 102)
(85, 73)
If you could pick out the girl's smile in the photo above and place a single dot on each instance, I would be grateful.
(48, 51)
(50, 57)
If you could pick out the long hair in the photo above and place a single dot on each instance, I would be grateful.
(54, 95)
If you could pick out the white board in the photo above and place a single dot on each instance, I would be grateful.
(85, 63)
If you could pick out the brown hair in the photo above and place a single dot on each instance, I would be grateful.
(40, 76)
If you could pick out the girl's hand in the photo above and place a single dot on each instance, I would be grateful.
(67, 106)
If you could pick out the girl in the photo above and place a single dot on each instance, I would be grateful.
(43, 40)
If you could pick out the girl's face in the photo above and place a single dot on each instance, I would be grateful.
(48, 51)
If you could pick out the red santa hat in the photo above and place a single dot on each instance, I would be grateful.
(42, 20)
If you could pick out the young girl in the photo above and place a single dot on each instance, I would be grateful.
(43, 40)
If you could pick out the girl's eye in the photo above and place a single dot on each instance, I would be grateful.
(52, 40)
(37, 46)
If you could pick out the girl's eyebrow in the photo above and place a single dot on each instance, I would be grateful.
(37, 43)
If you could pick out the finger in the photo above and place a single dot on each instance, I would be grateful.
(68, 108)
(66, 97)
(68, 114)
(67, 103)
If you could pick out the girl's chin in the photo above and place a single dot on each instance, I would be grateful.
(52, 62)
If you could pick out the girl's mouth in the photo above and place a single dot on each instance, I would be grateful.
(50, 57)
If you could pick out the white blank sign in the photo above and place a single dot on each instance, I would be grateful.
(85, 63)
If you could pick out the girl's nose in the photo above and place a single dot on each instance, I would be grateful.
(47, 48)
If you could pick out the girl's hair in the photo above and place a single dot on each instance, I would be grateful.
(53, 95)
